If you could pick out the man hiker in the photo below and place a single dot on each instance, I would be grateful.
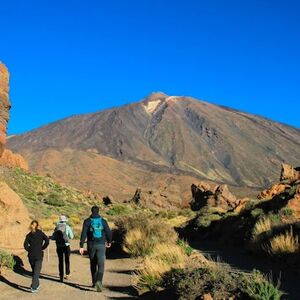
(99, 237)
(35, 242)
(62, 235)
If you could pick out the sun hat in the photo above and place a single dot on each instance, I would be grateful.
(63, 219)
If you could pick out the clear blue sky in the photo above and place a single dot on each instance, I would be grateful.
(69, 56)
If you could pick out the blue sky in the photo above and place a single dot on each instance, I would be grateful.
(69, 56)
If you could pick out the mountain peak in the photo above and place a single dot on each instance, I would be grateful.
(154, 96)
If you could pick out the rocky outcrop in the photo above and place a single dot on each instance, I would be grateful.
(160, 198)
(287, 191)
(218, 196)
(10, 159)
(273, 191)
(4, 105)
(294, 203)
(289, 173)
(14, 220)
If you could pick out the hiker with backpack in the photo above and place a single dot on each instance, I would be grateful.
(35, 242)
(99, 236)
(62, 235)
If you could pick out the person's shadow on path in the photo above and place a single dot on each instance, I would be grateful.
(19, 269)
(15, 285)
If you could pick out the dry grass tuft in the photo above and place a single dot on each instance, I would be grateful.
(135, 244)
(162, 260)
(262, 226)
(140, 234)
(285, 243)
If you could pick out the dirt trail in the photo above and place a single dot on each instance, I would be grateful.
(117, 280)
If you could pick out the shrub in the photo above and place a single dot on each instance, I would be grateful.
(188, 250)
(47, 224)
(54, 200)
(284, 243)
(118, 210)
(255, 213)
(205, 220)
(164, 257)
(286, 212)
(292, 191)
(193, 282)
(6, 260)
(258, 287)
(74, 220)
(140, 233)
(135, 244)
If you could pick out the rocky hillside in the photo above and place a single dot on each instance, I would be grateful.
(160, 135)
(43, 196)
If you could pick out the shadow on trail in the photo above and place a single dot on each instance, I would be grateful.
(15, 285)
(128, 290)
(125, 272)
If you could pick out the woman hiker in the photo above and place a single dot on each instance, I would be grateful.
(36, 241)
(62, 235)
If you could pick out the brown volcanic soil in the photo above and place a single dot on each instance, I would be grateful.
(108, 176)
(137, 145)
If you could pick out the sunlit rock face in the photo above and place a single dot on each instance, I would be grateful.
(4, 105)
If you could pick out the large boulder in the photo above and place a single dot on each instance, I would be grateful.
(4, 105)
(14, 220)
(10, 159)
(218, 196)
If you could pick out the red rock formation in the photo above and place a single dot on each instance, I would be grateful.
(10, 159)
(289, 188)
(289, 173)
(14, 220)
(4, 105)
(294, 204)
(276, 189)
(212, 196)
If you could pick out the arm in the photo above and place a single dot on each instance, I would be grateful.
(70, 233)
(107, 231)
(46, 241)
(26, 243)
(84, 233)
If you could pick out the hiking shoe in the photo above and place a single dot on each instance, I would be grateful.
(67, 277)
(98, 286)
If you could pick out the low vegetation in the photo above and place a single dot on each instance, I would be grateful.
(6, 260)
(139, 233)
(43, 196)
(170, 264)
(286, 243)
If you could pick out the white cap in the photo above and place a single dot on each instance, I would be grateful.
(63, 218)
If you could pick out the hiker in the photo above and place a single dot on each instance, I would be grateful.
(99, 237)
(62, 235)
(35, 242)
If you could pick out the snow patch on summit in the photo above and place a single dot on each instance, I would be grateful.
(151, 106)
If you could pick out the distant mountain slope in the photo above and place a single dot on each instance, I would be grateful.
(175, 135)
